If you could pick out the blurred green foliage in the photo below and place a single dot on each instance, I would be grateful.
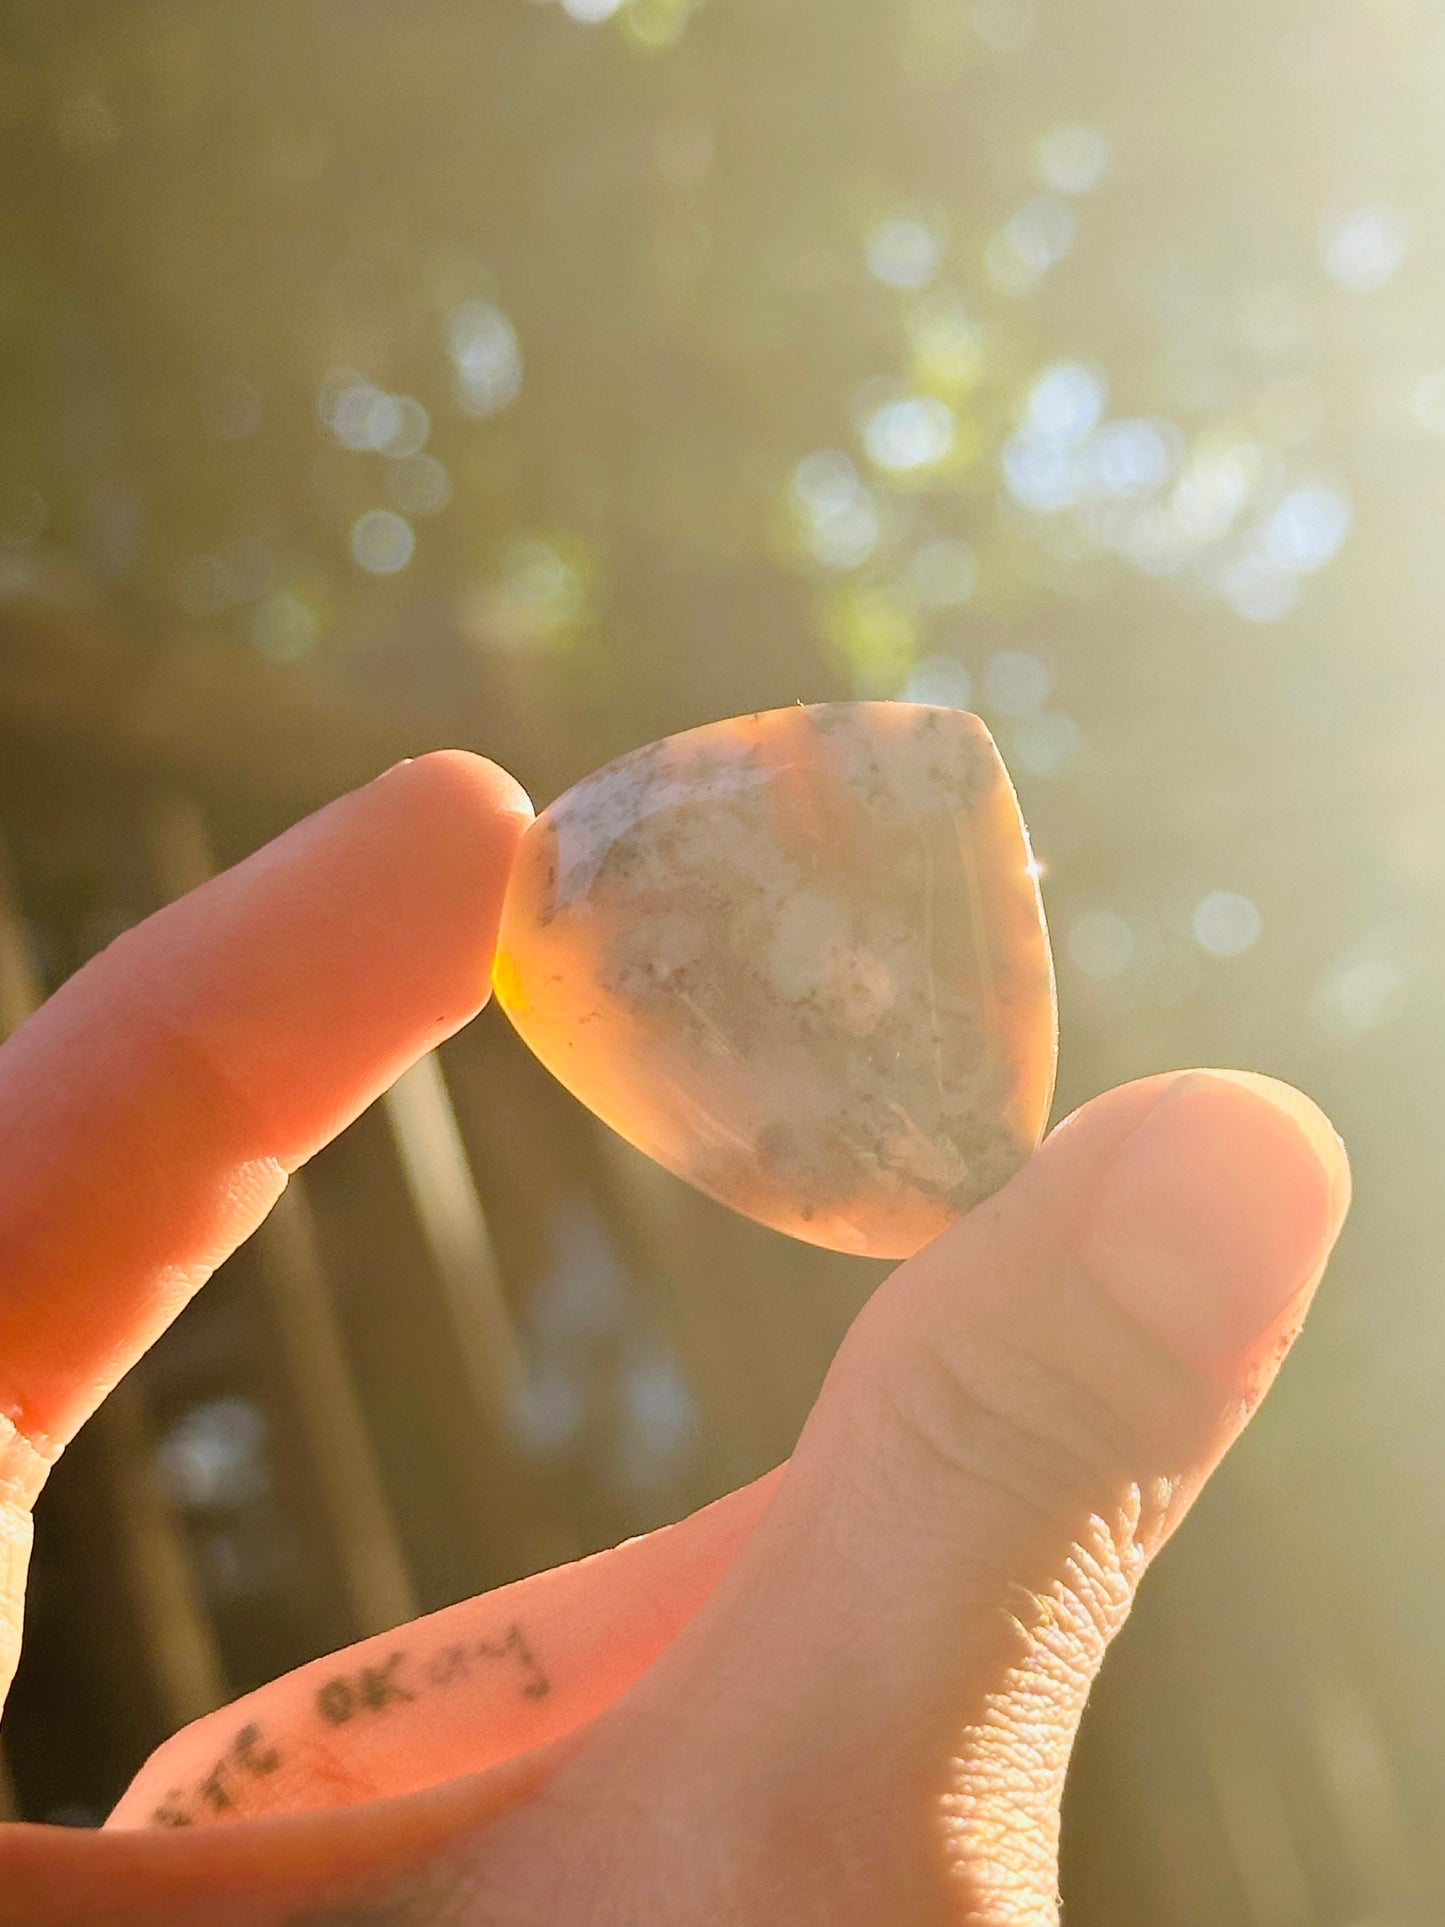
(559, 375)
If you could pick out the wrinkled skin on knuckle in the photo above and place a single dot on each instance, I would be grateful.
(999, 1817)
(980, 1417)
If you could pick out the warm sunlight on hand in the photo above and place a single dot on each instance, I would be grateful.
(842, 1697)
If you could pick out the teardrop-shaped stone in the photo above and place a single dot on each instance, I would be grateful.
(800, 959)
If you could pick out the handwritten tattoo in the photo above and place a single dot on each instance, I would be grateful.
(372, 1689)
(452, 1663)
(396, 1680)
(246, 1756)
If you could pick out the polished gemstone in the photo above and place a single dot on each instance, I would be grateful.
(800, 959)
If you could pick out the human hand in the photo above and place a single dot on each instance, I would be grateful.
(843, 1695)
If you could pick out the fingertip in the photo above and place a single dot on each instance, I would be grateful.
(151, 1108)
(314, 972)
(1320, 1135)
(430, 846)
(403, 883)
(451, 784)
(1212, 1223)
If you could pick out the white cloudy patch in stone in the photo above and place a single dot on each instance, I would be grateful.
(677, 940)
(810, 929)
(861, 990)
(621, 796)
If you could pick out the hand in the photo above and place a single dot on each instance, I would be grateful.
(845, 1695)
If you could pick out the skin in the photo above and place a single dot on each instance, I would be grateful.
(843, 1695)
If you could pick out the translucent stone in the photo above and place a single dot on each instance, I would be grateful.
(800, 959)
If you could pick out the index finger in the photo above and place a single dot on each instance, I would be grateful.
(151, 1111)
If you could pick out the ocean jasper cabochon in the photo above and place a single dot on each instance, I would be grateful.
(800, 959)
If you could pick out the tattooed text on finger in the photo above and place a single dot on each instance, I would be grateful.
(361, 1693)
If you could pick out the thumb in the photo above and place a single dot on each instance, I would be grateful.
(874, 1712)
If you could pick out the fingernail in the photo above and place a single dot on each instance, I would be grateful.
(1215, 1220)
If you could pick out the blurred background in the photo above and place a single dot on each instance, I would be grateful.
(546, 375)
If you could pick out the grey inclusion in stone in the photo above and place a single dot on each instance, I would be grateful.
(816, 962)
(798, 957)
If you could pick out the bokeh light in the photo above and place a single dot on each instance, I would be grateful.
(1226, 924)
(1040, 234)
(590, 11)
(1074, 158)
(1359, 994)
(419, 485)
(940, 680)
(285, 626)
(1016, 683)
(1364, 248)
(216, 1455)
(1101, 943)
(903, 253)
(488, 358)
(943, 573)
(1046, 745)
(382, 541)
(841, 522)
(917, 432)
